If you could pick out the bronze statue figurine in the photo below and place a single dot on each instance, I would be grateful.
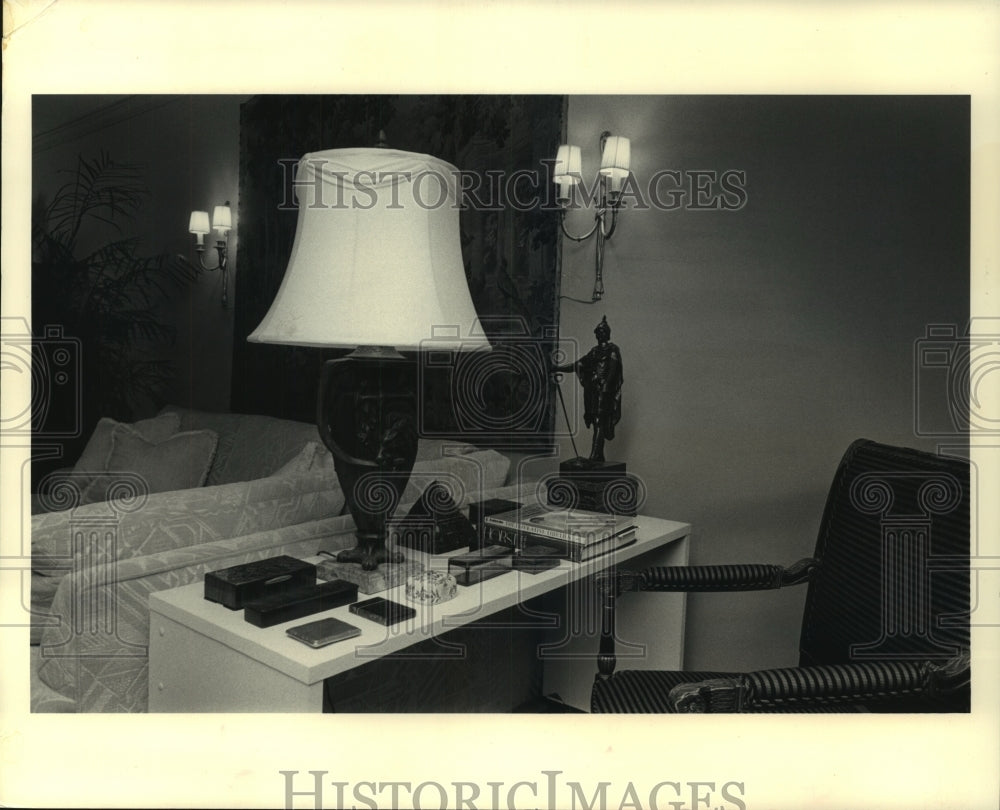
(600, 374)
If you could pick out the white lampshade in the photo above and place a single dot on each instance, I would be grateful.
(199, 222)
(377, 259)
(615, 160)
(568, 166)
(222, 219)
(566, 171)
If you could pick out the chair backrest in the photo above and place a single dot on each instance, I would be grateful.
(893, 546)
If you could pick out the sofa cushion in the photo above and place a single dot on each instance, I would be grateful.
(94, 458)
(250, 446)
(430, 449)
(263, 444)
(464, 476)
(306, 460)
(180, 462)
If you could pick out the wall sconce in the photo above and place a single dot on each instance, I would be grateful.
(222, 221)
(615, 158)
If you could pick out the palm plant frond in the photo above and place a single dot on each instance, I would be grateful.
(111, 295)
(100, 190)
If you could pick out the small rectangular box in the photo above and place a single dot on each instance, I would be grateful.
(433, 535)
(322, 632)
(534, 559)
(238, 584)
(476, 566)
(382, 610)
(284, 607)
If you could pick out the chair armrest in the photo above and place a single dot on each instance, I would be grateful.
(710, 578)
(704, 578)
(802, 688)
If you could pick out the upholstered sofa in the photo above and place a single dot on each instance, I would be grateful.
(270, 489)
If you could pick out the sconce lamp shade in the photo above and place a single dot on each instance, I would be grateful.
(377, 259)
(222, 218)
(568, 164)
(566, 171)
(199, 222)
(616, 157)
(615, 161)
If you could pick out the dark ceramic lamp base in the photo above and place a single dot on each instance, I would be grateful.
(367, 419)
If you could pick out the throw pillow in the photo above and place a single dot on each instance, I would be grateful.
(432, 449)
(180, 462)
(311, 458)
(94, 458)
(314, 456)
(301, 463)
(323, 459)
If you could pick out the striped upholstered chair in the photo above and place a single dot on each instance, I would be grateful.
(886, 622)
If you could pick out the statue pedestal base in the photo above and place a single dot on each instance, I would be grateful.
(595, 486)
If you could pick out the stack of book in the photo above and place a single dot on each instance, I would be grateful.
(572, 534)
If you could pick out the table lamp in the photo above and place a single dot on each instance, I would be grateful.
(376, 267)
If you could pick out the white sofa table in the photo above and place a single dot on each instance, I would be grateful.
(204, 657)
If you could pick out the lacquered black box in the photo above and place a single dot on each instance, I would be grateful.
(303, 601)
(236, 585)
(536, 558)
(476, 566)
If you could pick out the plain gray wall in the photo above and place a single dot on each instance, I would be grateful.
(759, 342)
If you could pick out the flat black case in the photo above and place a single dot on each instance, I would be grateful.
(476, 566)
(238, 584)
(304, 601)
(382, 610)
(535, 559)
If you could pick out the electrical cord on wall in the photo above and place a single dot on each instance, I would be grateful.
(579, 300)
